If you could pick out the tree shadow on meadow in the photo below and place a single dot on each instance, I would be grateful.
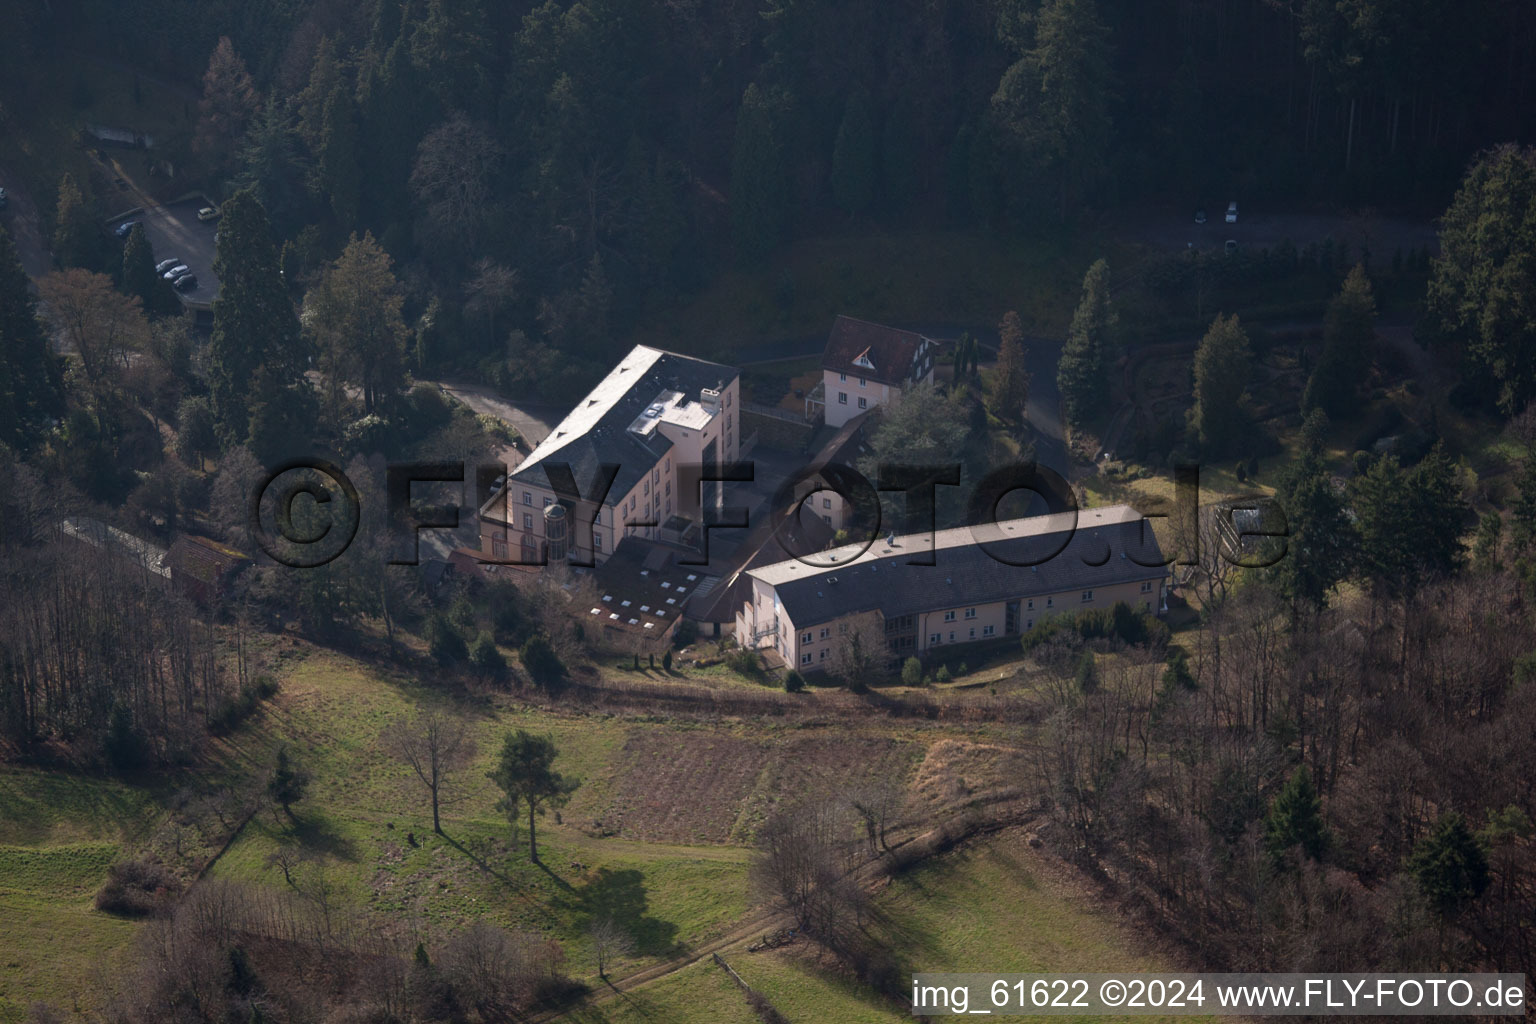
(620, 896)
(316, 834)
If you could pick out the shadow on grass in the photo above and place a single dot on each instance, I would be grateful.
(620, 897)
(479, 861)
(316, 834)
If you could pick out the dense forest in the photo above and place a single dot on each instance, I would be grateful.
(547, 172)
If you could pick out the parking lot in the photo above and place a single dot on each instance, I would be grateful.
(174, 231)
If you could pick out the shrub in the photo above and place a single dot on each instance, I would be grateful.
(666, 661)
(288, 782)
(444, 643)
(744, 661)
(232, 710)
(912, 672)
(125, 748)
(794, 682)
(942, 675)
(136, 888)
(487, 658)
(542, 663)
(1087, 673)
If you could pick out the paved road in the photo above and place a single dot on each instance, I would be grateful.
(531, 420)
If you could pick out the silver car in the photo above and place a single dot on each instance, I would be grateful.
(176, 271)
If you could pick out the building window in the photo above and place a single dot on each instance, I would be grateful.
(1146, 587)
(1031, 604)
(826, 519)
(826, 502)
(933, 638)
(528, 520)
(1087, 595)
(973, 632)
(825, 632)
(1050, 602)
(823, 655)
(548, 502)
(669, 486)
(843, 377)
(949, 616)
(986, 630)
(498, 547)
(863, 402)
(805, 659)
(597, 542)
(861, 382)
(951, 636)
(842, 398)
(1030, 624)
(527, 498)
(805, 637)
(970, 613)
(597, 519)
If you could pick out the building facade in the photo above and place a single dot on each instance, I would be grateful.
(653, 421)
(867, 365)
(982, 583)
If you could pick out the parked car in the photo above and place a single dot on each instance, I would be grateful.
(176, 271)
(125, 227)
(185, 283)
(165, 265)
(1232, 212)
(1200, 216)
(208, 213)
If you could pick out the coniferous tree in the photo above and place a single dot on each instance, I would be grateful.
(31, 378)
(339, 169)
(1011, 379)
(759, 199)
(853, 156)
(354, 315)
(1223, 364)
(76, 242)
(1409, 522)
(1296, 819)
(1348, 342)
(229, 102)
(525, 773)
(1082, 373)
(288, 782)
(255, 352)
(1450, 865)
(1321, 543)
(900, 176)
(139, 277)
(1485, 277)
(1523, 512)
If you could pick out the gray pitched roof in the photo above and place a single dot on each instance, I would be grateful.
(597, 430)
(1103, 550)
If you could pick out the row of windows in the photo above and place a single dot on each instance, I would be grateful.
(842, 399)
(934, 639)
(843, 377)
(970, 613)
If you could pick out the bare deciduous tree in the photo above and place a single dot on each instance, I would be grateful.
(609, 942)
(433, 744)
